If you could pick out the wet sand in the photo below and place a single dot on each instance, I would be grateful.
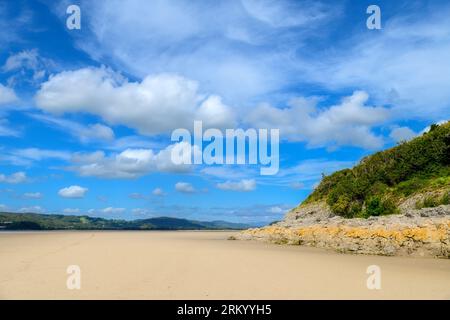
(201, 265)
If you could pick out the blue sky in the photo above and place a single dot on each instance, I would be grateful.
(86, 115)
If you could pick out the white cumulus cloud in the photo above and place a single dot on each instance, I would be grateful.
(158, 104)
(33, 195)
(130, 163)
(7, 95)
(244, 185)
(399, 134)
(74, 192)
(32, 209)
(158, 192)
(17, 177)
(347, 123)
(185, 187)
(113, 210)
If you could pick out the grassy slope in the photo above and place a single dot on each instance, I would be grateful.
(379, 182)
(33, 221)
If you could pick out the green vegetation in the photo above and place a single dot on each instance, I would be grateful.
(375, 186)
(376, 206)
(432, 201)
(33, 221)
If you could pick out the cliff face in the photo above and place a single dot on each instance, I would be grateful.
(424, 232)
(395, 202)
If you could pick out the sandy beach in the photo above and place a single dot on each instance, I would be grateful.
(202, 265)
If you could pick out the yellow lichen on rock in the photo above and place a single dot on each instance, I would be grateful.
(431, 238)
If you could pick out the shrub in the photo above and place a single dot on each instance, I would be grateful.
(341, 206)
(362, 214)
(433, 127)
(378, 188)
(430, 202)
(376, 206)
(407, 188)
(355, 209)
(446, 198)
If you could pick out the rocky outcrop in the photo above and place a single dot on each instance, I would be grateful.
(411, 202)
(424, 232)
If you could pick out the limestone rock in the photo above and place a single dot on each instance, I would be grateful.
(424, 232)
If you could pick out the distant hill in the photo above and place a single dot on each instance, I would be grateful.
(34, 221)
(384, 180)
